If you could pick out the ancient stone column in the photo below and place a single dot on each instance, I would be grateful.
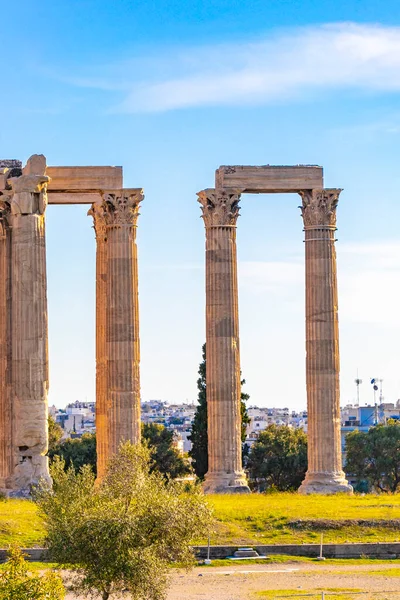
(5, 406)
(118, 212)
(97, 213)
(29, 338)
(225, 474)
(325, 474)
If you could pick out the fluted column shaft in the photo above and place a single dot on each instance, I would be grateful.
(325, 474)
(118, 345)
(29, 332)
(101, 341)
(225, 473)
(5, 405)
(123, 348)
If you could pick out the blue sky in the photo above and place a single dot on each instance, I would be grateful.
(171, 90)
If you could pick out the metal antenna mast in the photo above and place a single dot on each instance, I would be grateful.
(358, 382)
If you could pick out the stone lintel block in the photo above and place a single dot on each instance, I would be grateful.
(269, 179)
(74, 197)
(84, 179)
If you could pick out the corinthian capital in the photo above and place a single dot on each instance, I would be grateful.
(219, 207)
(97, 211)
(121, 207)
(319, 208)
(116, 208)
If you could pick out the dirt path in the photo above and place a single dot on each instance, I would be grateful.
(242, 582)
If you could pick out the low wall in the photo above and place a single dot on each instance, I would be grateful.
(33, 554)
(382, 550)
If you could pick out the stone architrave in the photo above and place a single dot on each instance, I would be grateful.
(325, 474)
(116, 221)
(29, 338)
(225, 474)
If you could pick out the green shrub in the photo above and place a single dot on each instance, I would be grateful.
(16, 583)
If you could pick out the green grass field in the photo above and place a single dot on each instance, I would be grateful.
(291, 518)
(20, 522)
(256, 519)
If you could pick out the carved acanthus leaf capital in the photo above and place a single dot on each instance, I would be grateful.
(319, 208)
(99, 222)
(121, 207)
(116, 208)
(220, 208)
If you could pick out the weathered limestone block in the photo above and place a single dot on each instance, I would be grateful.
(225, 473)
(269, 179)
(29, 339)
(325, 474)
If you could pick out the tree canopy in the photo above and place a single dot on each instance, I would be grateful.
(374, 456)
(55, 435)
(165, 457)
(278, 458)
(199, 434)
(121, 535)
(82, 451)
(78, 451)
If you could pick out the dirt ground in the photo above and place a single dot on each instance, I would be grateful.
(242, 582)
(239, 582)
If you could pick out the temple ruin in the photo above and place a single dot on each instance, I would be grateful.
(25, 193)
(220, 210)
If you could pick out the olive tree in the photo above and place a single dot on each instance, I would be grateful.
(121, 535)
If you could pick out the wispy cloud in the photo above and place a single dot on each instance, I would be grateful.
(282, 66)
(369, 282)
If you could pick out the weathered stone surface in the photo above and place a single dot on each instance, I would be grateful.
(29, 344)
(97, 213)
(325, 474)
(225, 473)
(269, 179)
(117, 346)
(81, 185)
(5, 340)
(23, 312)
(84, 179)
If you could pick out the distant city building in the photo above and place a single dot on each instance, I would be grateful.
(79, 417)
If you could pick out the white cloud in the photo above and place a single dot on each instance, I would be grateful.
(290, 64)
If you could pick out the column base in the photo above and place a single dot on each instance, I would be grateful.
(26, 475)
(325, 483)
(226, 483)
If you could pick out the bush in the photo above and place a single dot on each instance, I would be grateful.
(16, 583)
(121, 535)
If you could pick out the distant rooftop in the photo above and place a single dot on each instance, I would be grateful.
(10, 163)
